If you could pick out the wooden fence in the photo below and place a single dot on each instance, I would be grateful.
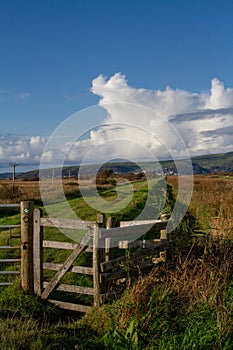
(6, 249)
(109, 263)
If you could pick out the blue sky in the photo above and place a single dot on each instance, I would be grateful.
(52, 51)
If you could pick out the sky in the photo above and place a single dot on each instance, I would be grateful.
(172, 59)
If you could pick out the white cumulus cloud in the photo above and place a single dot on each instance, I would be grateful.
(137, 124)
(23, 150)
(197, 117)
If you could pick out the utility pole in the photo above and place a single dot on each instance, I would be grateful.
(14, 165)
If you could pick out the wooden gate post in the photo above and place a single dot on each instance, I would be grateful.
(97, 260)
(163, 233)
(37, 252)
(27, 245)
(111, 223)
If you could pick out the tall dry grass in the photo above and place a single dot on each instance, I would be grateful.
(211, 203)
(185, 303)
(30, 190)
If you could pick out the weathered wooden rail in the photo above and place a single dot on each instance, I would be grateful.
(110, 268)
(102, 242)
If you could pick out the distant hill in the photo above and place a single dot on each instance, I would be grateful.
(207, 164)
(6, 175)
(222, 162)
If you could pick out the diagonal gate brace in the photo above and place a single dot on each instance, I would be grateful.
(65, 267)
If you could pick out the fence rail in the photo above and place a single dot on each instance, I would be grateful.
(9, 226)
(76, 269)
(15, 205)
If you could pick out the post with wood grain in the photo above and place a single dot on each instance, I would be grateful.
(97, 260)
(163, 233)
(27, 245)
(110, 223)
(37, 252)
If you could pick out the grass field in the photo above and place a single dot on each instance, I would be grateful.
(184, 303)
(212, 202)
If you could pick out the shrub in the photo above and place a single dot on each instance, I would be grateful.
(9, 193)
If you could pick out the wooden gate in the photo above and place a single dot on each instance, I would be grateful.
(101, 242)
(45, 289)
(10, 252)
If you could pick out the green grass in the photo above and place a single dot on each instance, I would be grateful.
(9, 219)
(185, 303)
(27, 322)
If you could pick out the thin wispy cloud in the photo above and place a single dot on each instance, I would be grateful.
(9, 95)
(23, 95)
